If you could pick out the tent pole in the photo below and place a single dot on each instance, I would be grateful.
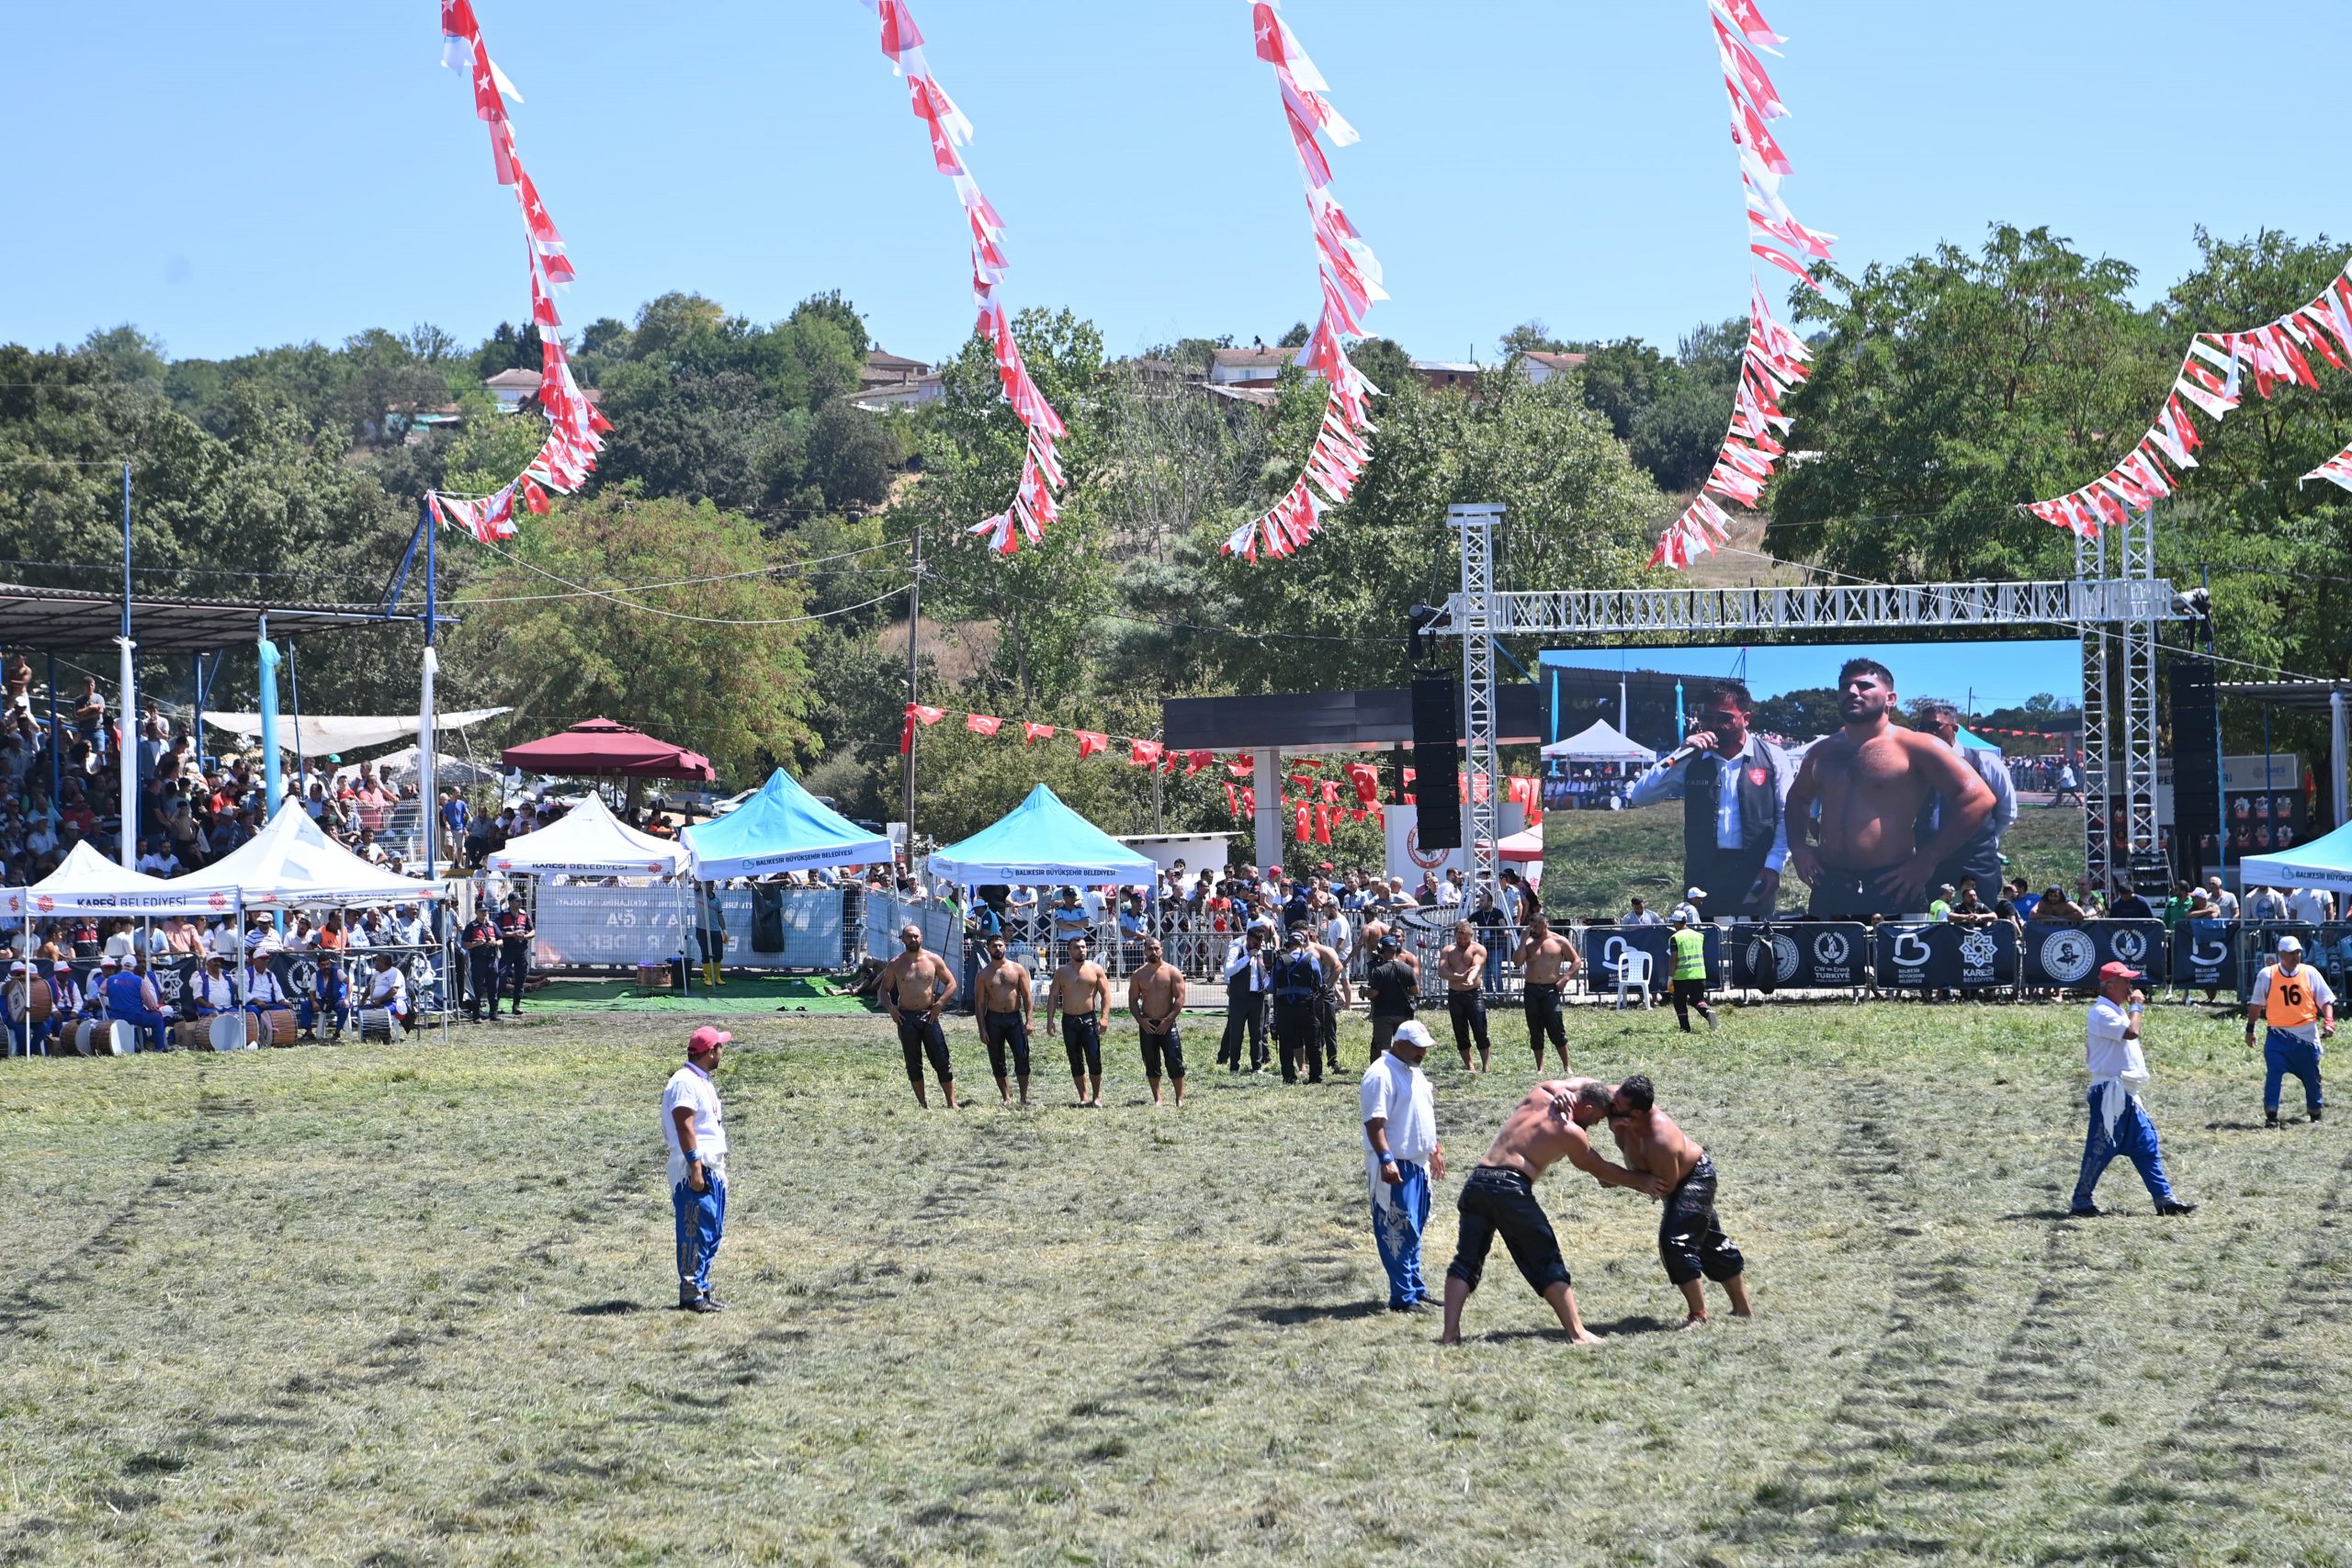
(126, 767)
(914, 621)
(56, 745)
(426, 799)
(294, 683)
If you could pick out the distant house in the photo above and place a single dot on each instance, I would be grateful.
(511, 388)
(1540, 365)
(1250, 367)
(894, 381)
(1440, 374)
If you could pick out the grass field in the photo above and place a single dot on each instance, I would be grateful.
(1594, 861)
(408, 1305)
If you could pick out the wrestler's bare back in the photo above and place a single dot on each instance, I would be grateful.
(1538, 1132)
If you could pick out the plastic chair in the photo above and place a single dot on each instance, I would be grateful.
(1633, 970)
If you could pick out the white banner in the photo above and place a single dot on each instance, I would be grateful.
(1409, 860)
(623, 927)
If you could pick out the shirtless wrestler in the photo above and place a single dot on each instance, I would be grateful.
(1462, 964)
(1156, 995)
(1691, 1240)
(1005, 1004)
(1081, 994)
(916, 985)
(1544, 1128)
(1549, 961)
(1870, 780)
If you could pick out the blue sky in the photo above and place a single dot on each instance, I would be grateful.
(1998, 674)
(231, 176)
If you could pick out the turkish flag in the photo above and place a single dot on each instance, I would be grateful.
(1144, 754)
(1322, 824)
(1232, 801)
(900, 33)
(1195, 760)
(1240, 767)
(1305, 823)
(1366, 780)
(981, 724)
(1088, 743)
(928, 714)
(1032, 733)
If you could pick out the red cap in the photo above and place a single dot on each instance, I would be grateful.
(2119, 972)
(705, 1039)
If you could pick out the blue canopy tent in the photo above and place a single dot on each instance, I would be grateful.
(2326, 863)
(1037, 841)
(783, 828)
(1971, 741)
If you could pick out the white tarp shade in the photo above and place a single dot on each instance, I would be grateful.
(1599, 743)
(292, 865)
(86, 883)
(332, 734)
(447, 770)
(589, 840)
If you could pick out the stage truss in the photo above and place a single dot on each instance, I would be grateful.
(2113, 617)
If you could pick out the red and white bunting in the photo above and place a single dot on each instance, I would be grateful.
(1032, 507)
(1349, 277)
(575, 429)
(1774, 359)
(2214, 373)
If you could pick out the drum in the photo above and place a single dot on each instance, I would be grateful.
(122, 1038)
(376, 1026)
(229, 1031)
(191, 1034)
(86, 1034)
(38, 1004)
(278, 1026)
(652, 976)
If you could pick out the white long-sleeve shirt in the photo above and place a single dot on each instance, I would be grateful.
(1666, 778)
(1238, 957)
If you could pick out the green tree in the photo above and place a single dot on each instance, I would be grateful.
(716, 663)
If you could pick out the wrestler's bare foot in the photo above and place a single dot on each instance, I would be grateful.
(1696, 1320)
(1448, 1339)
(1585, 1337)
(1743, 1311)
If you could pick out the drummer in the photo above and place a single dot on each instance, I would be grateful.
(211, 992)
(263, 990)
(131, 999)
(72, 1005)
(388, 987)
(25, 1036)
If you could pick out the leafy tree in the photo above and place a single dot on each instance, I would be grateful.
(1295, 338)
(1676, 437)
(852, 456)
(1619, 380)
(1385, 361)
(718, 663)
(1530, 336)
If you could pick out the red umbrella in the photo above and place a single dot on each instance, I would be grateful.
(602, 748)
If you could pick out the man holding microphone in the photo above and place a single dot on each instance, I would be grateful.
(2118, 1122)
(696, 1129)
(1734, 784)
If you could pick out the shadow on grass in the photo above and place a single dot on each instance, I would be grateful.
(1343, 1312)
(2023, 1215)
(617, 1307)
(1641, 1324)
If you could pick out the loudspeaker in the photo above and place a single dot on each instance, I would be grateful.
(1437, 763)
(2195, 767)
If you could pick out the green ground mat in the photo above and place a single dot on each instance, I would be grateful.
(811, 994)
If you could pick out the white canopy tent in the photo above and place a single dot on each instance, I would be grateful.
(1600, 742)
(589, 840)
(86, 883)
(292, 865)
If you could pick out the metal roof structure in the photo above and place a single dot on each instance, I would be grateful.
(66, 619)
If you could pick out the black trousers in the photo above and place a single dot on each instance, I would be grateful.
(1244, 1010)
(1326, 1027)
(1728, 876)
(513, 968)
(1002, 1030)
(483, 963)
(1299, 1039)
(1083, 1044)
(1468, 1011)
(1689, 993)
(1691, 1240)
(1543, 1021)
(920, 1036)
(1159, 1048)
(1498, 1201)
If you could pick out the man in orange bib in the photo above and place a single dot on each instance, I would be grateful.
(2293, 999)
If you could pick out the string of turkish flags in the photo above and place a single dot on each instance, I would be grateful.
(575, 429)
(2211, 379)
(1360, 779)
(1033, 505)
(1350, 282)
(1773, 361)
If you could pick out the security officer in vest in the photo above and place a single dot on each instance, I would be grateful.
(1978, 859)
(1298, 995)
(1732, 785)
(480, 941)
(1690, 952)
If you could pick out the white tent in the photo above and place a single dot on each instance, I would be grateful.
(447, 769)
(1599, 743)
(589, 841)
(86, 883)
(292, 865)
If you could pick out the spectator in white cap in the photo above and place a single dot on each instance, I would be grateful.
(1401, 1159)
(1689, 909)
(2293, 999)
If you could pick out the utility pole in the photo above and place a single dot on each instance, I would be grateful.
(914, 620)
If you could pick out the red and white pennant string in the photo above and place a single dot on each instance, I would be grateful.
(1350, 280)
(575, 429)
(2213, 378)
(1041, 473)
(1774, 360)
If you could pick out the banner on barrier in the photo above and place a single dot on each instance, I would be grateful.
(1605, 947)
(2205, 953)
(1946, 957)
(780, 928)
(2068, 957)
(1811, 956)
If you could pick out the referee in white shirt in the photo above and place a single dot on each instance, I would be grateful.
(696, 1129)
(1401, 1157)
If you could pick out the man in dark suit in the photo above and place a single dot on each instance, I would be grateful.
(1732, 785)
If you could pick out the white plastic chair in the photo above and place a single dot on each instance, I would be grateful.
(1633, 970)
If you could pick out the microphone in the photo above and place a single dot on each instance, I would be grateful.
(1688, 749)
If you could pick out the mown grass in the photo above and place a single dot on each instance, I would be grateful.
(1594, 861)
(406, 1305)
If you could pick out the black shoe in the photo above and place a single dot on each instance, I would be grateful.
(2175, 1207)
(2093, 1213)
(712, 1303)
(2271, 1120)
(1417, 1309)
(688, 1301)
(2315, 1111)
